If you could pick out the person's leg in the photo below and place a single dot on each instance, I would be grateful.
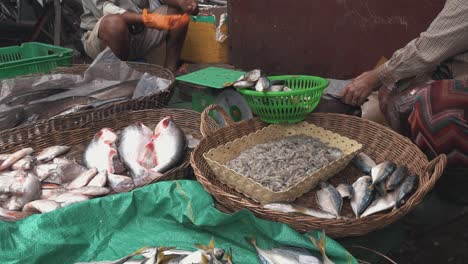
(114, 33)
(174, 44)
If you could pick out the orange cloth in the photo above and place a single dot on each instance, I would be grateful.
(164, 22)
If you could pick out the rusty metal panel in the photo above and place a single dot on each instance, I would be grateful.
(331, 38)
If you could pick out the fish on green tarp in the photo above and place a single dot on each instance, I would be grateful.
(292, 208)
(321, 246)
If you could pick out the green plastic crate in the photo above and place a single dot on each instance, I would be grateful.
(287, 107)
(31, 58)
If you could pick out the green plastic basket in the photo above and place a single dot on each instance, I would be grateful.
(31, 58)
(287, 107)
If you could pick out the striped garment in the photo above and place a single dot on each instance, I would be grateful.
(438, 121)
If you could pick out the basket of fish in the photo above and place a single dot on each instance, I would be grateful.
(82, 93)
(383, 182)
(109, 156)
(281, 99)
(280, 163)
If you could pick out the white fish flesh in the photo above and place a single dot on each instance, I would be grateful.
(101, 152)
(52, 152)
(289, 208)
(15, 157)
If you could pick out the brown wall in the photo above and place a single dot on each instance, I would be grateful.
(330, 38)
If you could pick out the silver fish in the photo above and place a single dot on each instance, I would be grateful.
(14, 157)
(380, 204)
(272, 257)
(68, 198)
(11, 182)
(345, 190)
(25, 163)
(4, 156)
(41, 206)
(99, 180)
(120, 183)
(363, 195)
(132, 147)
(101, 152)
(52, 152)
(168, 145)
(43, 171)
(243, 84)
(13, 215)
(262, 84)
(329, 199)
(47, 193)
(380, 172)
(300, 255)
(31, 191)
(405, 189)
(321, 247)
(396, 178)
(83, 179)
(251, 76)
(62, 160)
(364, 163)
(90, 191)
(276, 88)
(67, 172)
(289, 208)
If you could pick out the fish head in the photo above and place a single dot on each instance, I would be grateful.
(165, 123)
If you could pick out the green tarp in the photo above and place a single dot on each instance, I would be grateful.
(177, 213)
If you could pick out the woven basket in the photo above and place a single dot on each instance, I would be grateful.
(379, 142)
(69, 121)
(78, 138)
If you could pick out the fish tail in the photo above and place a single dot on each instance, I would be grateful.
(204, 259)
(321, 246)
(212, 243)
(251, 240)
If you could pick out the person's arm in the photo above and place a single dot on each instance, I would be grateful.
(187, 6)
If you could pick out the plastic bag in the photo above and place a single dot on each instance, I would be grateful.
(149, 84)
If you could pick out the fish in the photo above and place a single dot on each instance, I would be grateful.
(120, 183)
(12, 182)
(405, 189)
(197, 257)
(276, 88)
(345, 190)
(25, 163)
(124, 89)
(24, 98)
(60, 172)
(83, 179)
(329, 199)
(90, 191)
(101, 152)
(4, 156)
(396, 178)
(48, 109)
(50, 153)
(363, 195)
(47, 193)
(66, 199)
(243, 84)
(380, 172)
(43, 171)
(99, 180)
(217, 253)
(262, 84)
(31, 191)
(287, 89)
(270, 256)
(380, 204)
(133, 142)
(364, 163)
(119, 261)
(13, 215)
(168, 145)
(300, 255)
(11, 116)
(41, 206)
(290, 208)
(321, 247)
(251, 76)
(50, 186)
(62, 160)
(14, 157)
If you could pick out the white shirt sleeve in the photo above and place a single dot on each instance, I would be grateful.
(110, 8)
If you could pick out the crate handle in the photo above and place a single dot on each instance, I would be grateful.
(206, 129)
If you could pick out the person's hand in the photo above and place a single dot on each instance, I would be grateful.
(189, 6)
(164, 22)
(356, 92)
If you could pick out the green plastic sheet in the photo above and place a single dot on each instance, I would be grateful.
(173, 213)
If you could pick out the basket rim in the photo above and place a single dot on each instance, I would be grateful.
(320, 87)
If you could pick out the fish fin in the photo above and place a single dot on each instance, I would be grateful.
(321, 246)
(204, 259)
(211, 245)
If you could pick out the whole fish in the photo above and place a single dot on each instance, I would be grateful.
(31, 191)
(13, 215)
(289, 208)
(25, 163)
(14, 157)
(380, 172)
(380, 204)
(243, 84)
(43, 171)
(329, 199)
(345, 190)
(251, 76)
(168, 145)
(405, 189)
(44, 110)
(363, 195)
(28, 96)
(41, 206)
(396, 178)
(92, 191)
(263, 84)
(68, 198)
(272, 257)
(11, 116)
(364, 163)
(124, 89)
(99, 180)
(120, 183)
(83, 179)
(321, 245)
(50, 153)
(101, 152)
